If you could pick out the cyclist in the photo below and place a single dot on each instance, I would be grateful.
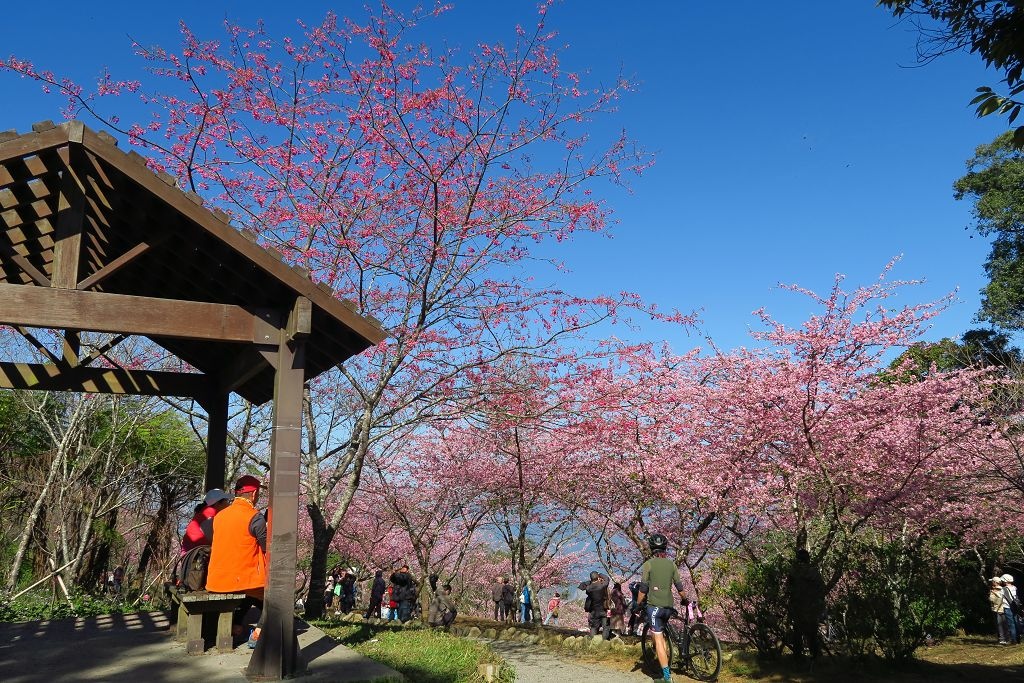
(657, 576)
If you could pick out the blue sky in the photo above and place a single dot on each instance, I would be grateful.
(795, 139)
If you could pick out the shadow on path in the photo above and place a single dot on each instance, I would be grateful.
(140, 648)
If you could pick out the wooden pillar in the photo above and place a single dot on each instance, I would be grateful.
(277, 652)
(216, 405)
(67, 240)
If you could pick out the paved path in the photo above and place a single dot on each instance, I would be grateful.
(140, 648)
(536, 664)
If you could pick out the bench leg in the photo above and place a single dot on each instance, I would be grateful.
(181, 631)
(225, 641)
(195, 644)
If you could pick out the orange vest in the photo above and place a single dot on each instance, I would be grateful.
(237, 563)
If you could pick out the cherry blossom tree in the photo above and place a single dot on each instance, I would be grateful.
(413, 181)
(437, 514)
(822, 447)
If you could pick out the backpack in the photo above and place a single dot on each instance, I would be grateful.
(1011, 601)
(190, 569)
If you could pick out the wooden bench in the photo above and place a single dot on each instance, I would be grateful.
(197, 607)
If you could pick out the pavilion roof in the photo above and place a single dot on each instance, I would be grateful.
(143, 236)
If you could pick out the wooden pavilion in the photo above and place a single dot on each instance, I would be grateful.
(92, 240)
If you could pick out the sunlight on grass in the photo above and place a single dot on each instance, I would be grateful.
(422, 655)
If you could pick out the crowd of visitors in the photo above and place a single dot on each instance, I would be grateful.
(236, 533)
(394, 599)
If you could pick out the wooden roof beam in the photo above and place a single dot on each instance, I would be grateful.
(33, 143)
(100, 312)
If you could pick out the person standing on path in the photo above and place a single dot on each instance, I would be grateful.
(596, 604)
(496, 591)
(657, 577)
(997, 601)
(508, 600)
(553, 605)
(525, 604)
(376, 594)
(1012, 610)
(403, 592)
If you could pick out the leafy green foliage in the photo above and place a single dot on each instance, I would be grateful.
(20, 435)
(991, 29)
(38, 605)
(756, 603)
(899, 598)
(897, 593)
(979, 348)
(995, 183)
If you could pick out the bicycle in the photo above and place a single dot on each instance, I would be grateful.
(700, 653)
(832, 633)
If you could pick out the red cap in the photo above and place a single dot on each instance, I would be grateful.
(246, 484)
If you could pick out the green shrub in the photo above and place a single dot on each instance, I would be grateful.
(756, 604)
(898, 597)
(40, 605)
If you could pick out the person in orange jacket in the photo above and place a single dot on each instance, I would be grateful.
(238, 557)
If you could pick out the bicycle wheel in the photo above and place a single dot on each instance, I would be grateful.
(649, 654)
(703, 652)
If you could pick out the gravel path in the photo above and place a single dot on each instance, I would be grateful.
(536, 664)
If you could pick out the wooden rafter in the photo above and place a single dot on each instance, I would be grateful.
(115, 265)
(50, 377)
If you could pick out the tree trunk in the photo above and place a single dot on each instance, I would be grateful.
(156, 533)
(323, 534)
(30, 522)
(99, 558)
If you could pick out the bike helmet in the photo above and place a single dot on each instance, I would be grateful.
(658, 543)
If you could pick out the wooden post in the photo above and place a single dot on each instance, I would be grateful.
(277, 653)
(67, 241)
(216, 405)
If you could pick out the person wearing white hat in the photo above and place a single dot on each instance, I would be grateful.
(1012, 610)
(997, 601)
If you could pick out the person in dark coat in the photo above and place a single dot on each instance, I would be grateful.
(403, 592)
(508, 600)
(376, 595)
(496, 598)
(806, 604)
(596, 602)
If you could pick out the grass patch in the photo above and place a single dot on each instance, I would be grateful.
(420, 654)
(955, 660)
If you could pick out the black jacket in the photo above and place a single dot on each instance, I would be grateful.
(378, 588)
(597, 594)
(404, 586)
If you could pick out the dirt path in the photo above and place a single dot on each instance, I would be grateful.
(535, 664)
